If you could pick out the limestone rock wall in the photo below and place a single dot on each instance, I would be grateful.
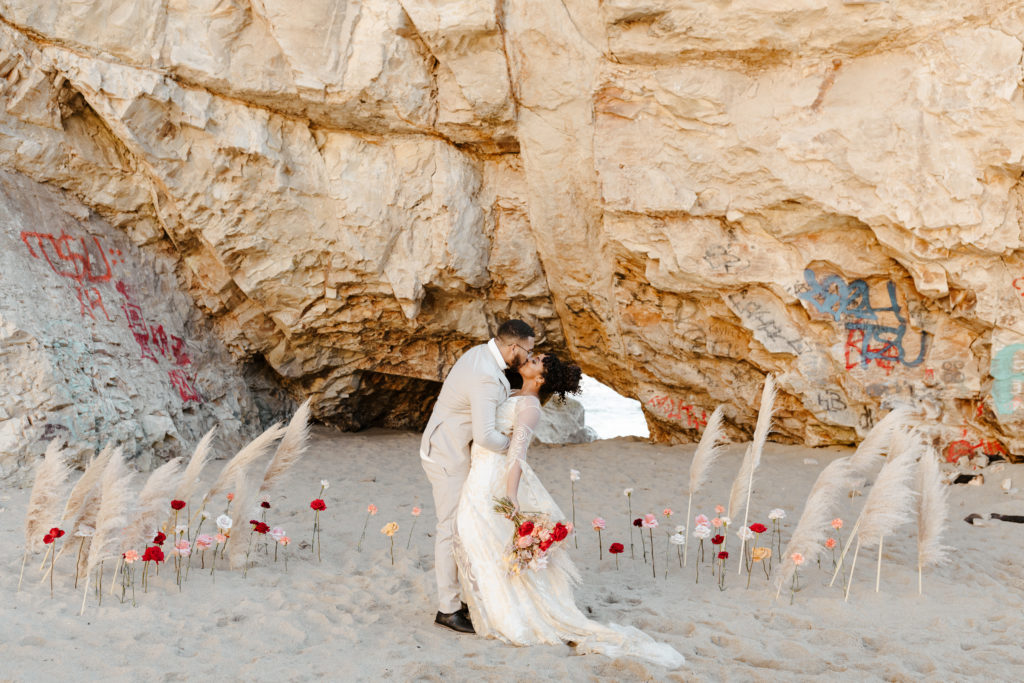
(684, 195)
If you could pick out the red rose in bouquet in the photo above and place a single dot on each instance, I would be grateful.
(560, 532)
(526, 528)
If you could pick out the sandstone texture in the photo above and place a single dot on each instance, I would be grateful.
(682, 195)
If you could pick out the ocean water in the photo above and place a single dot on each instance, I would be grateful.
(609, 413)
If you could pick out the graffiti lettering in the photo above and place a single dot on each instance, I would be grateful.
(952, 371)
(832, 401)
(675, 409)
(86, 266)
(720, 257)
(1008, 384)
(867, 339)
(961, 447)
(186, 388)
(762, 321)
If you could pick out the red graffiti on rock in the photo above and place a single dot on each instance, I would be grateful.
(676, 409)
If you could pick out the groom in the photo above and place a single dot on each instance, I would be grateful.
(465, 412)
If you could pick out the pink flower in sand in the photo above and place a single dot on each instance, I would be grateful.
(830, 543)
(719, 509)
(416, 512)
(701, 520)
(598, 523)
(650, 521)
(371, 508)
(183, 548)
(203, 541)
(837, 523)
(131, 556)
(220, 538)
(231, 497)
(667, 512)
(716, 522)
(277, 533)
(798, 559)
(284, 540)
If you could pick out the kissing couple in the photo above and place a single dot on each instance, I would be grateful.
(474, 451)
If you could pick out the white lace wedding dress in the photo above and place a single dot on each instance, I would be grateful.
(535, 606)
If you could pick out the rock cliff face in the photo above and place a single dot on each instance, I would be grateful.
(684, 195)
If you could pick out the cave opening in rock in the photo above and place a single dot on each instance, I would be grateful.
(609, 413)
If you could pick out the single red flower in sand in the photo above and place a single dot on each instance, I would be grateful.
(724, 555)
(261, 527)
(160, 538)
(177, 505)
(56, 533)
(525, 529)
(616, 548)
(265, 505)
(638, 522)
(153, 554)
(47, 539)
(758, 528)
(318, 505)
(717, 540)
(559, 532)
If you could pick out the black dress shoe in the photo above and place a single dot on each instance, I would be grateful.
(464, 609)
(455, 621)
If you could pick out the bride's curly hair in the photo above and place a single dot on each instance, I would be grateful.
(560, 378)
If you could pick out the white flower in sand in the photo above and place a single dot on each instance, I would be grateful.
(726, 520)
(627, 492)
(181, 529)
(224, 523)
(204, 514)
(277, 533)
(702, 531)
(745, 534)
(680, 529)
(777, 513)
(677, 539)
(574, 475)
(324, 484)
(85, 530)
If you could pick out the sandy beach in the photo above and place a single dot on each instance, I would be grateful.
(354, 616)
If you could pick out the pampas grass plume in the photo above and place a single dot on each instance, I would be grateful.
(44, 501)
(84, 490)
(235, 469)
(739, 495)
(811, 531)
(190, 478)
(708, 450)
(292, 447)
(153, 502)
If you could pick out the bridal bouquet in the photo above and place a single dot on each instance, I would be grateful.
(533, 538)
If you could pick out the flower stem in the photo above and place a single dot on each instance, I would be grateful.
(629, 520)
(600, 547)
(651, 531)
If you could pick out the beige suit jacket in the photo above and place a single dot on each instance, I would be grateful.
(466, 410)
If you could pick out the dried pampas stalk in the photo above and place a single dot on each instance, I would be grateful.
(190, 479)
(744, 482)
(153, 502)
(85, 487)
(242, 531)
(876, 443)
(292, 447)
(890, 502)
(111, 517)
(44, 501)
(868, 453)
(708, 450)
(931, 515)
(235, 469)
(811, 531)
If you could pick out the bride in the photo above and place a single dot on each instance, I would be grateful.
(534, 606)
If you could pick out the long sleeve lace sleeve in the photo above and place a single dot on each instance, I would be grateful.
(526, 419)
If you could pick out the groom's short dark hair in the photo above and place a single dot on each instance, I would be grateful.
(514, 329)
